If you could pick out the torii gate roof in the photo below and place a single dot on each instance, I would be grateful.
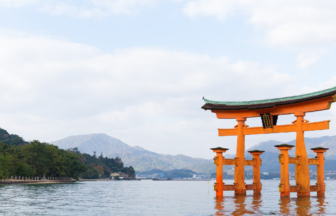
(269, 103)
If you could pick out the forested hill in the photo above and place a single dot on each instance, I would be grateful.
(11, 139)
(21, 158)
(103, 166)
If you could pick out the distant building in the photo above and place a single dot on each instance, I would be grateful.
(119, 174)
(265, 173)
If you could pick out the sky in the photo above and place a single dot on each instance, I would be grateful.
(137, 70)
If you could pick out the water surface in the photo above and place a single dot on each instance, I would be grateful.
(156, 198)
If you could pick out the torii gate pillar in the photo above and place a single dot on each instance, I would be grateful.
(219, 170)
(240, 157)
(320, 170)
(301, 169)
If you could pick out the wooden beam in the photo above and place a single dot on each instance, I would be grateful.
(323, 125)
(275, 129)
(229, 161)
(314, 188)
(233, 187)
(250, 187)
(248, 162)
(229, 187)
(293, 160)
(294, 188)
(313, 161)
(227, 132)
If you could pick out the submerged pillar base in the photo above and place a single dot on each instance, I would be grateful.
(256, 192)
(303, 194)
(285, 194)
(320, 194)
(240, 193)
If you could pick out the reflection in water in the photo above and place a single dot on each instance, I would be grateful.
(162, 198)
(219, 205)
(321, 205)
(256, 203)
(303, 206)
(285, 206)
(245, 205)
(241, 205)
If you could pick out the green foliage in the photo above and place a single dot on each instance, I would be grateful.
(24, 170)
(20, 158)
(10, 139)
(104, 166)
(91, 173)
(38, 159)
(35, 155)
(4, 167)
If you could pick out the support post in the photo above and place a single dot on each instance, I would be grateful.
(239, 169)
(320, 170)
(256, 171)
(284, 186)
(218, 160)
(301, 169)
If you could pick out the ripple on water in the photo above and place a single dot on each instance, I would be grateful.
(156, 198)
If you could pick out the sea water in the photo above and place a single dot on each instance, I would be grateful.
(157, 198)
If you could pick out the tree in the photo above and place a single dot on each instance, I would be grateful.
(100, 169)
(4, 167)
(23, 170)
(55, 163)
(75, 167)
(35, 155)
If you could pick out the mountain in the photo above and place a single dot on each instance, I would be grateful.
(270, 156)
(139, 158)
(325, 141)
(144, 160)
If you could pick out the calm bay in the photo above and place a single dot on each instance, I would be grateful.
(156, 198)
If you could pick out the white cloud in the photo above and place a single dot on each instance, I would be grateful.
(328, 84)
(84, 8)
(18, 3)
(308, 58)
(50, 89)
(220, 8)
(290, 24)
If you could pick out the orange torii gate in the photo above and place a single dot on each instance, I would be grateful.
(269, 110)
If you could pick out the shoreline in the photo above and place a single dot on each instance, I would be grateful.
(94, 180)
(108, 180)
(8, 182)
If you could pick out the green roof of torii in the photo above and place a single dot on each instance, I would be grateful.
(271, 100)
(257, 104)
